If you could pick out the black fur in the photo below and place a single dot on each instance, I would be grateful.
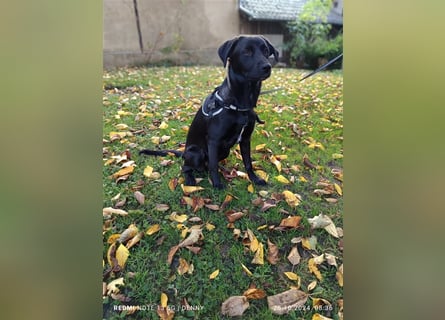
(215, 131)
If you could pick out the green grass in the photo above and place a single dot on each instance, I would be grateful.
(301, 113)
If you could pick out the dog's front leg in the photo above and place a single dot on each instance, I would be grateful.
(247, 160)
(213, 165)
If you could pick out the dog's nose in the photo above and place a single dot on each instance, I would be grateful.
(267, 68)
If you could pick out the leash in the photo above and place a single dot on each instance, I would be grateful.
(327, 64)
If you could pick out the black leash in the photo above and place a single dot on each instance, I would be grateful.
(327, 64)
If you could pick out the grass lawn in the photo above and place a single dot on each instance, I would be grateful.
(300, 150)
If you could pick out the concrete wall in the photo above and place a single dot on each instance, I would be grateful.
(181, 31)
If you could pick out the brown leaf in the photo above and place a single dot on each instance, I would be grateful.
(213, 207)
(226, 202)
(272, 252)
(139, 197)
(286, 301)
(308, 163)
(259, 255)
(135, 239)
(171, 254)
(172, 184)
(193, 249)
(123, 172)
(233, 216)
(129, 233)
(254, 294)
(290, 222)
(162, 207)
(165, 313)
(234, 306)
(194, 236)
(267, 205)
(294, 257)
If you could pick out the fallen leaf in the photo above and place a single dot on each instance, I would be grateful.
(148, 171)
(331, 259)
(123, 172)
(308, 163)
(178, 217)
(226, 201)
(290, 222)
(272, 252)
(317, 302)
(171, 254)
(318, 316)
(113, 238)
(282, 179)
(286, 301)
(254, 294)
(139, 197)
(292, 276)
(172, 184)
(162, 207)
(164, 300)
(153, 229)
(323, 222)
(183, 266)
(214, 274)
(260, 147)
(110, 211)
(234, 306)
(291, 198)
(165, 313)
(134, 240)
(190, 189)
(128, 233)
(262, 174)
(193, 237)
(163, 125)
(233, 216)
(259, 255)
(294, 256)
(338, 189)
(313, 269)
(339, 276)
(112, 287)
(248, 272)
(210, 226)
(275, 162)
(254, 243)
(312, 285)
(250, 188)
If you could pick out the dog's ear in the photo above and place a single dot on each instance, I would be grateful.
(272, 49)
(226, 49)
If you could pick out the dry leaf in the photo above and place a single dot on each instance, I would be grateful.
(122, 254)
(272, 252)
(123, 172)
(164, 300)
(210, 226)
(178, 218)
(318, 259)
(282, 179)
(292, 199)
(323, 221)
(248, 272)
(318, 316)
(292, 276)
(262, 174)
(153, 229)
(287, 301)
(183, 266)
(214, 274)
(171, 254)
(275, 162)
(290, 222)
(338, 189)
(163, 125)
(112, 286)
(254, 243)
(260, 147)
(331, 259)
(259, 255)
(313, 269)
(134, 240)
(139, 197)
(234, 306)
(109, 211)
(162, 207)
(250, 188)
(339, 276)
(294, 256)
(129, 233)
(148, 171)
(226, 201)
(165, 313)
(194, 236)
(172, 184)
(233, 216)
(312, 285)
(113, 238)
(254, 294)
(190, 189)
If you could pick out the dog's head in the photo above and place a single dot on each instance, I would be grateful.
(249, 56)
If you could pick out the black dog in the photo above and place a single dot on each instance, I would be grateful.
(227, 116)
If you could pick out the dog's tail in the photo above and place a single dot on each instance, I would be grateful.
(161, 152)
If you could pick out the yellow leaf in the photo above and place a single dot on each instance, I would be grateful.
(253, 241)
(153, 229)
(246, 270)
(172, 184)
(155, 140)
(290, 222)
(190, 189)
(112, 286)
(128, 233)
(313, 269)
(302, 179)
(148, 171)
(309, 243)
(282, 179)
(275, 162)
(210, 226)
(122, 254)
(214, 274)
(262, 174)
(254, 294)
(259, 255)
(113, 238)
(291, 198)
(337, 156)
(318, 316)
(178, 217)
(164, 300)
(292, 276)
(312, 285)
(339, 276)
(134, 240)
(123, 172)
(183, 266)
(163, 125)
(260, 147)
(121, 126)
(250, 188)
(338, 189)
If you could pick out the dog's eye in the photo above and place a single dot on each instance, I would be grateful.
(247, 52)
(265, 51)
